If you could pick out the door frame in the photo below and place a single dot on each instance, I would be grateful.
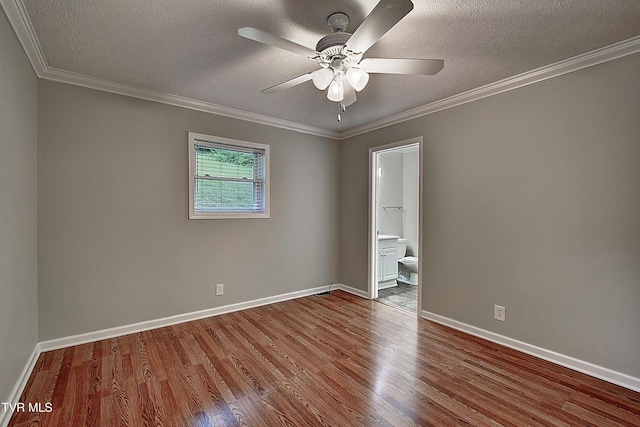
(374, 152)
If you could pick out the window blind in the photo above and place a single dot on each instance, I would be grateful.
(228, 178)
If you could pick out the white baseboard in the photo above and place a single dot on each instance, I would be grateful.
(172, 320)
(606, 374)
(351, 290)
(58, 343)
(14, 396)
(186, 317)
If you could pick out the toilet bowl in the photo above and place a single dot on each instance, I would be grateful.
(408, 262)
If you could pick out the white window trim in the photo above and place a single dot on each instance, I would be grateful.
(195, 138)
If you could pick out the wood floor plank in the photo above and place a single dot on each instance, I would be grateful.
(334, 360)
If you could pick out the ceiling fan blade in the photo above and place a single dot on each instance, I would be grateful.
(382, 18)
(289, 83)
(402, 66)
(273, 40)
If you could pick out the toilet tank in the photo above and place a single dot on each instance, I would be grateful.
(402, 247)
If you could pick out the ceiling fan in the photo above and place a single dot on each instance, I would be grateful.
(342, 69)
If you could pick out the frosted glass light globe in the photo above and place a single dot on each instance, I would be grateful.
(357, 78)
(336, 91)
(322, 78)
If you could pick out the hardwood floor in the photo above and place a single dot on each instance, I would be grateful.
(336, 360)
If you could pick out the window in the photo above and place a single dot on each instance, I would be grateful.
(227, 178)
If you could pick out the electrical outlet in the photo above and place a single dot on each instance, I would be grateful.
(219, 289)
(499, 313)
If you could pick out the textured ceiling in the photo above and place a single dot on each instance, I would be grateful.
(190, 48)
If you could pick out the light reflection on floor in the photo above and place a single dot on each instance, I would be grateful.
(393, 367)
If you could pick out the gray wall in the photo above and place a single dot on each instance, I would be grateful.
(115, 245)
(532, 201)
(18, 205)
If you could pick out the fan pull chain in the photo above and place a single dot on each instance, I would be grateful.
(341, 109)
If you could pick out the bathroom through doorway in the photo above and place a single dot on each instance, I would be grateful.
(395, 213)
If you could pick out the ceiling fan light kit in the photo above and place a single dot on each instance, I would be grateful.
(336, 91)
(322, 78)
(339, 54)
(357, 78)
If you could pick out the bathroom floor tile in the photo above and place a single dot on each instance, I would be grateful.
(403, 296)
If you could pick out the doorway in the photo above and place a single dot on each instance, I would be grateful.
(395, 219)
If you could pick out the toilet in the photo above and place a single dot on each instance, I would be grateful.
(409, 263)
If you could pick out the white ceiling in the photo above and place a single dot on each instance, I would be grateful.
(188, 52)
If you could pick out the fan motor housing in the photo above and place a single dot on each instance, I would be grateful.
(332, 44)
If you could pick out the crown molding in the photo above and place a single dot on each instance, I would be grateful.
(17, 16)
(19, 19)
(180, 101)
(595, 57)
